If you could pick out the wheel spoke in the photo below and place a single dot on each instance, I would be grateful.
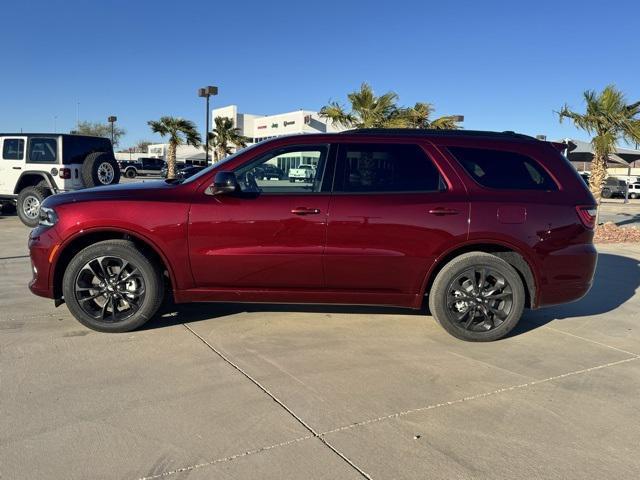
(481, 280)
(129, 275)
(91, 297)
(472, 315)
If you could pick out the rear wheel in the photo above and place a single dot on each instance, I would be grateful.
(130, 173)
(477, 297)
(112, 286)
(607, 193)
(29, 201)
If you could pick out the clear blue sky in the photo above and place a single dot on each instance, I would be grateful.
(504, 65)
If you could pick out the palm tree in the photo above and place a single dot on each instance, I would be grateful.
(419, 116)
(179, 131)
(371, 111)
(224, 138)
(609, 119)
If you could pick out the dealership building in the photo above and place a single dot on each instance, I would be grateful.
(256, 128)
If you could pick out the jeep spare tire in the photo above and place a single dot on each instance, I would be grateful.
(100, 169)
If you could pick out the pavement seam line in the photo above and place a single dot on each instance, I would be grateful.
(591, 341)
(279, 402)
(226, 459)
(478, 396)
(14, 257)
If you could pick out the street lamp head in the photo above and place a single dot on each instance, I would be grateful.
(458, 118)
(208, 91)
(112, 119)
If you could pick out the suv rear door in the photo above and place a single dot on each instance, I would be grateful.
(393, 211)
(12, 152)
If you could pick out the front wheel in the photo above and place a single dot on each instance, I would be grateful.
(477, 297)
(112, 286)
(29, 201)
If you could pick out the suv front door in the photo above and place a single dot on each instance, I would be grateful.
(268, 236)
(12, 152)
(393, 211)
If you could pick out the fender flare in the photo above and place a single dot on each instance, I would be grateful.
(46, 176)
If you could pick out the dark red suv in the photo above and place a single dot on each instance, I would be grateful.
(482, 224)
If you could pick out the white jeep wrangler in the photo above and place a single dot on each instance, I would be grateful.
(36, 165)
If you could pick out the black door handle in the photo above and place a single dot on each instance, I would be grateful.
(17, 168)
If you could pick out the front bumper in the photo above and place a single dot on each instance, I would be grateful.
(43, 243)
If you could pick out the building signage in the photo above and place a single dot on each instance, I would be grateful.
(290, 122)
(274, 125)
(260, 127)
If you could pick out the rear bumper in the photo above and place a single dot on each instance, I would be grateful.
(569, 275)
(42, 243)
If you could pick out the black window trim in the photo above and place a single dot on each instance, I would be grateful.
(327, 174)
(48, 137)
(24, 149)
(493, 189)
(443, 178)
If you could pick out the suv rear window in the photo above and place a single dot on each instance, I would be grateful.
(503, 170)
(386, 168)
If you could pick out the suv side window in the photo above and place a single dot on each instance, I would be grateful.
(43, 150)
(257, 176)
(503, 170)
(375, 168)
(13, 149)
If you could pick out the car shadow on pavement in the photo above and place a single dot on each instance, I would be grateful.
(175, 314)
(616, 280)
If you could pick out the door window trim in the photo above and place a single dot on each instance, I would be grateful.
(444, 185)
(326, 183)
(43, 137)
(24, 149)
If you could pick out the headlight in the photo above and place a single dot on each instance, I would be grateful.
(48, 217)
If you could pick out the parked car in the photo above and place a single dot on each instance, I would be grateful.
(481, 224)
(183, 171)
(141, 166)
(634, 190)
(614, 187)
(267, 171)
(36, 165)
(304, 173)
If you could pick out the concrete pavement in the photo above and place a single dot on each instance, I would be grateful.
(232, 391)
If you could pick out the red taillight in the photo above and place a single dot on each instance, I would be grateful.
(587, 214)
(65, 173)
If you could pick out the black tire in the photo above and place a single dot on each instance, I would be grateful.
(633, 195)
(130, 173)
(29, 201)
(134, 293)
(100, 168)
(488, 317)
(607, 193)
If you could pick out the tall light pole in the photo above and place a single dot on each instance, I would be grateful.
(112, 120)
(207, 92)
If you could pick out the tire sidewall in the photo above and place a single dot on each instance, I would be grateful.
(91, 165)
(438, 295)
(154, 288)
(25, 193)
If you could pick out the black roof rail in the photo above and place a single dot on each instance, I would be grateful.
(416, 132)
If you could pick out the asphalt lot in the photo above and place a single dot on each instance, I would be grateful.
(275, 392)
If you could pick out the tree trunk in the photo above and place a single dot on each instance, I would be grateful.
(596, 181)
(171, 161)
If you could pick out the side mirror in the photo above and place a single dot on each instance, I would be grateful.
(223, 182)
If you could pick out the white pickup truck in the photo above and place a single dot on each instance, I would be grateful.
(304, 172)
